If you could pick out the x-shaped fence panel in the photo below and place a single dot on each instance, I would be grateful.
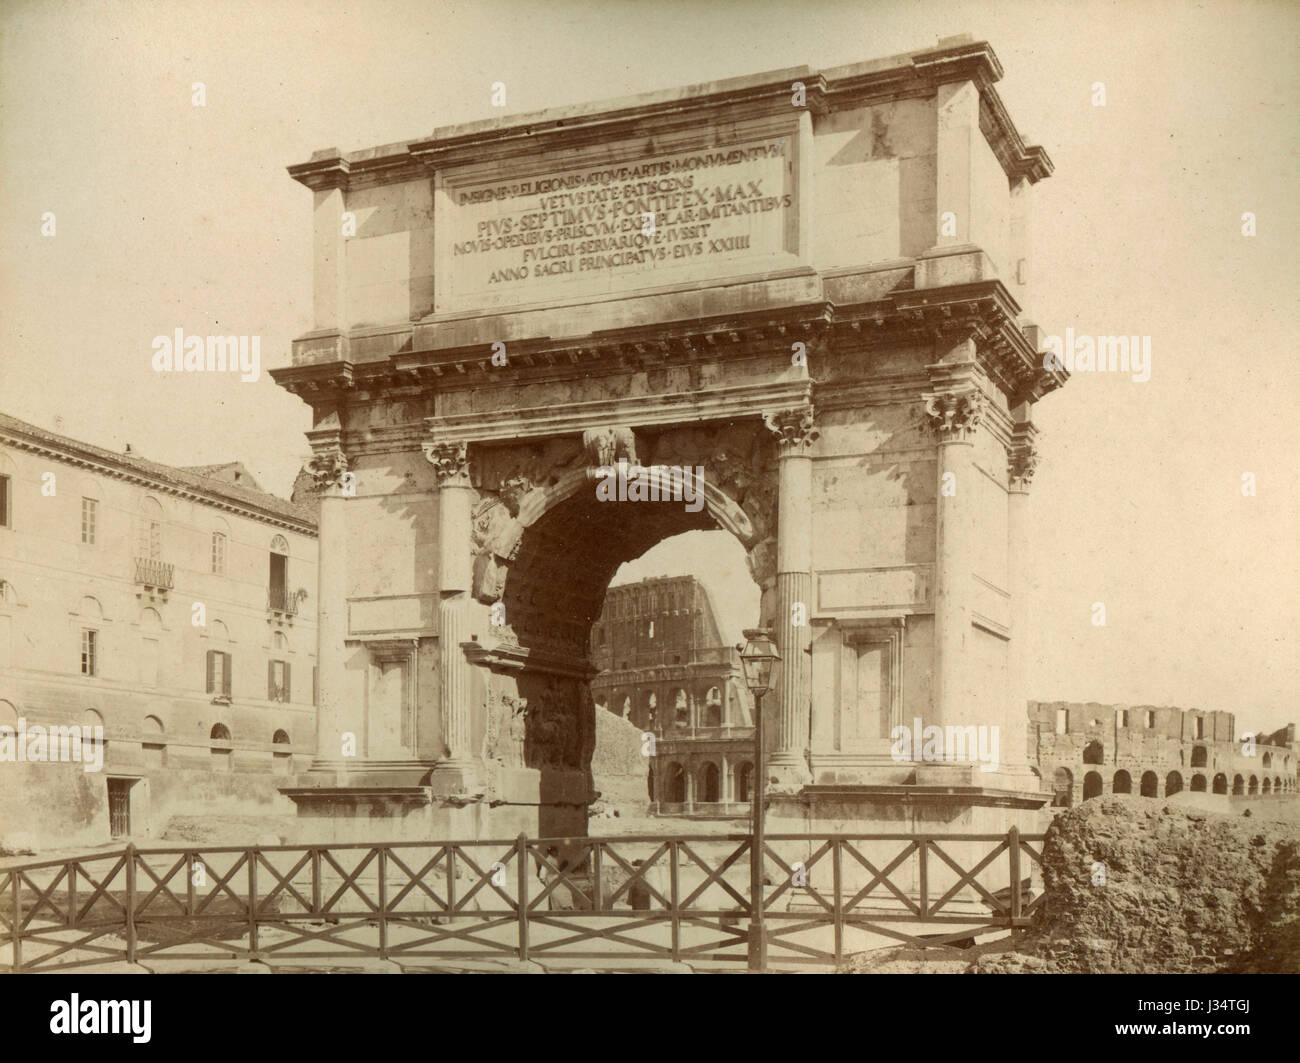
(679, 898)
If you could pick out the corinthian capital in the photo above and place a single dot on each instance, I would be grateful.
(954, 414)
(450, 461)
(1022, 457)
(794, 429)
(328, 468)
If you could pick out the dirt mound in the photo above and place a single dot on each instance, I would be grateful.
(1133, 886)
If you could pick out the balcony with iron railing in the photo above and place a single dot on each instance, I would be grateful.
(281, 600)
(150, 572)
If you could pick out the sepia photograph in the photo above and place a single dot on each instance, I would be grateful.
(609, 487)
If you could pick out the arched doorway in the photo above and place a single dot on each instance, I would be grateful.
(1198, 784)
(1062, 788)
(1150, 784)
(1091, 785)
(744, 781)
(675, 784)
(1122, 783)
(548, 557)
(1174, 783)
(1220, 783)
(1094, 753)
(710, 791)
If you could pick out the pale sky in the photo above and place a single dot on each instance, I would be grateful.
(175, 216)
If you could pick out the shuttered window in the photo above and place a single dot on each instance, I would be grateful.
(277, 681)
(218, 678)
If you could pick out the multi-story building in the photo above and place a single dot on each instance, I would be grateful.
(664, 667)
(172, 607)
(1085, 750)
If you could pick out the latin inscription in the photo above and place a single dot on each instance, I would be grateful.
(608, 223)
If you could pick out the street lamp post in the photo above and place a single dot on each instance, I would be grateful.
(758, 656)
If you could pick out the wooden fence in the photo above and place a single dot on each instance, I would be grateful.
(681, 898)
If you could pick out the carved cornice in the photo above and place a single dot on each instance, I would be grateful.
(793, 428)
(450, 462)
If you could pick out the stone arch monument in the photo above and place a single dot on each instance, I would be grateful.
(795, 298)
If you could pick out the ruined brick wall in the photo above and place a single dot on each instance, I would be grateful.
(1174, 750)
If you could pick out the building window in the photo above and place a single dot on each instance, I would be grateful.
(218, 678)
(149, 546)
(1062, 721)
(1151, 717)
(278, 576)
(1123, 717)
(277, 681)
(1200, 727)
(650, 631)
(89, 651)
(219, 553)
(89, 512)
(4, 502)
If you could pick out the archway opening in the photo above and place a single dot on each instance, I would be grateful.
(1093, 753)
(1062, 788)
(1220, 783)
(1150, 784)
(1174, 783)
(1123, 783)
(619, 601)
(1091, 785)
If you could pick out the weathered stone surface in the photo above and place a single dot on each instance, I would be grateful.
(1185, 891)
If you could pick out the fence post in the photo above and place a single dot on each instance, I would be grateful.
(839, 900)
(383, 904)
(72, 892)
(674, 871)
(315, 882)
(1013, 847)
(252, 903)
(521, 858)
(189, 883)
(130, 902)
(17, 913)
(923, 849)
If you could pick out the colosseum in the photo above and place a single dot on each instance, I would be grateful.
(1085, 750)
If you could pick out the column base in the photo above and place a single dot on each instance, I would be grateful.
(460, 776)
(787, 774)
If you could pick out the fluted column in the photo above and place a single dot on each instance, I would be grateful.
(329, 469)
(796, 434)
(456, 767)
(954, 408)
(1022, 459)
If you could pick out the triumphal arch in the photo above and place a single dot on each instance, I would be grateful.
(799, 296)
